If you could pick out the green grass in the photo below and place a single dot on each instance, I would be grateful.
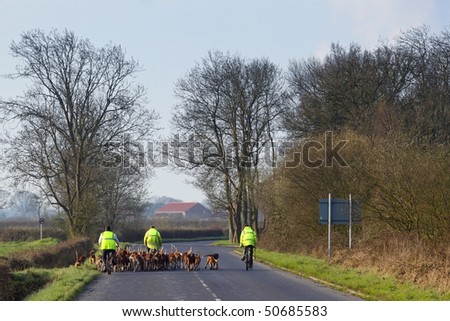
(6, 248)
(366, 285)
(224, 243)
(48, 284)
(63, 284)
(25, 282)
(363, 284)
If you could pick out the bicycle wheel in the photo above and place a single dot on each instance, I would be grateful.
(108, 263)
(247, 259)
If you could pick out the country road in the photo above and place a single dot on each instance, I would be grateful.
(230, 283)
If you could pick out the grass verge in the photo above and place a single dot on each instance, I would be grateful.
(369, 286)
(62, 284)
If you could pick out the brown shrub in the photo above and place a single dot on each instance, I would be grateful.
(405, 258)
(5, 282)
(23, 231)
(174, 229)
(60, 255)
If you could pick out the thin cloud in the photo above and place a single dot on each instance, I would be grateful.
(371, 20)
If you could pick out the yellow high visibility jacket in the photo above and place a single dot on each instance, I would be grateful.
(152, 239)
(248, 237)
(108, 241)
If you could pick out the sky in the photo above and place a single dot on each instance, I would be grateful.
(168, 37)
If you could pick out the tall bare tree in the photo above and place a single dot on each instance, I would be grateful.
(80, 100)
(229, 108)
(401, 88)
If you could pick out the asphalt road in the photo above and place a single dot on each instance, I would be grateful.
(231, 282)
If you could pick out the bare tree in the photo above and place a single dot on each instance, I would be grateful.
(25, 204)
(426, 102)
(122, 196)
(4, 198)
(81, 99)
(229, 109)
(340, 91)
(398, 89)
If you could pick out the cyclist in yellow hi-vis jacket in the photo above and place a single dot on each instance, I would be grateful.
(152, 240)
(248, 238)
(108, 243)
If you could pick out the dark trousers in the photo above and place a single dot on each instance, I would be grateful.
(105, 253)
(249, 248)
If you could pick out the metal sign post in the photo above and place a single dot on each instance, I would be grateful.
(41, 222)
(339, 212)
(329, 226)
(349, 221)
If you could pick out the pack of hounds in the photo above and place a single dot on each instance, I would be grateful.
(141, 260)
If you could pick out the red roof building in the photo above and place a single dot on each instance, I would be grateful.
(183, 210)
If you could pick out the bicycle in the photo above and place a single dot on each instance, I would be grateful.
(107, 265)
(248, 257)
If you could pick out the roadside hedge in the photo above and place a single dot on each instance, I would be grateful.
(5, 281)
(137, 235)
(60, 255)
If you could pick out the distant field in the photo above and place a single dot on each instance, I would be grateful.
(6, 248)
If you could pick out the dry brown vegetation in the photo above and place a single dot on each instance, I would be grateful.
(130, 231)
(405, 209)
(28, 230)
(426, 264)
(59, 255)
(173, 229)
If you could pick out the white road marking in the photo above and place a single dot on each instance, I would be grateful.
(207, 288)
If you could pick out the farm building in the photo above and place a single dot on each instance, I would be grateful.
(184, 210)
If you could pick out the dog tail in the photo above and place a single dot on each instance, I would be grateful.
(77, 259)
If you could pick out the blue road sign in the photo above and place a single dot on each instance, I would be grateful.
(339, 211)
